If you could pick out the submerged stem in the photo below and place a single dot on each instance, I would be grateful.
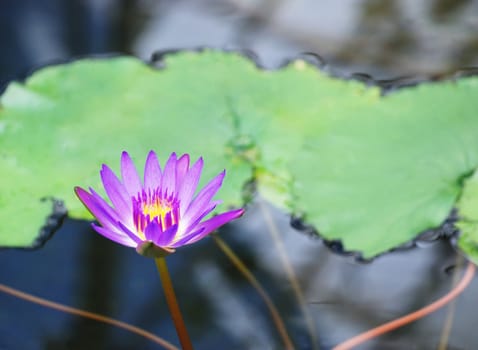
(399, 322)
(87, 314)
(447, 326)
(289, 270)
(255, 283)
(173, 304)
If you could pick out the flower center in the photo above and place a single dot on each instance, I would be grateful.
(152, 205)
(159, 208)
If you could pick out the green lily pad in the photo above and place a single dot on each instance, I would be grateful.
(372, 171)
(468, 222)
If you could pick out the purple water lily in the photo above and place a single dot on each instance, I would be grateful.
(161, 213)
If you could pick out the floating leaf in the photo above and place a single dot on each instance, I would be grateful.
(468, 223)
(372, 171)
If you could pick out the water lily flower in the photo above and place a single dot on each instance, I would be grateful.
(161, 213)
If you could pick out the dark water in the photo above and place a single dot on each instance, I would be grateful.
(387, 39)
(222, 310)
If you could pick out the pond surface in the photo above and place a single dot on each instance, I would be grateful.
(222, 310)
(387, 39)
(78, 267)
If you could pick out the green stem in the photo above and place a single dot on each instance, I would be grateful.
(173, 304)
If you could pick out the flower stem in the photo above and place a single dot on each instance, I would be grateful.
(288, 345)
(289, 270)
(87, 314)
(173, 304)
(447, 326)
(387, 327)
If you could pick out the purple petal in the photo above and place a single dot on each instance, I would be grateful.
(182, 168)
(201, 202)
(152, 172)
(130, 233)
(99, 211)
(168, 219)
(116, 192)
(212, 224)
(155, 234)
(185, 240)
(114, 236)
(109, 210)
(130, 175)
(153, 230)
(186, 227)
(189, 185)
(168, 181)
(105, 215)
(166, 237)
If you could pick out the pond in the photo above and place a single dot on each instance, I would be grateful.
(341, 296)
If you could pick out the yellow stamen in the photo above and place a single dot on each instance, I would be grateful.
(157, 209)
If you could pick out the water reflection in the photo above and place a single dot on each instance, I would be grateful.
(385, 39)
